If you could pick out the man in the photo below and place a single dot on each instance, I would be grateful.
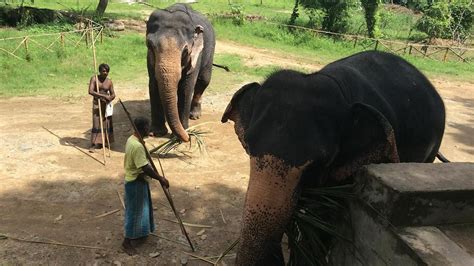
(138, 207)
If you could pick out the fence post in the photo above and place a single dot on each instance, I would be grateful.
(87, 36)
(376, 45)
(355, 41)
(409, 50)
(445, 54)
(62, 40)
(26, 48)
(101, 35)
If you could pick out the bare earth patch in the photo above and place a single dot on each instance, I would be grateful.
(52, 190)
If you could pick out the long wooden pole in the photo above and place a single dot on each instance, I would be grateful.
(165, 190)
(98, 100)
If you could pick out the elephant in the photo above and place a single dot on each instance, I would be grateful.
(310, 130)
(181, 45)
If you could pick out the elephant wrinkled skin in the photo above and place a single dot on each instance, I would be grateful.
(181, 46)
(307, 130)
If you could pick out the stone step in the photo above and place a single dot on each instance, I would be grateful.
(414, 194)
(433, 247)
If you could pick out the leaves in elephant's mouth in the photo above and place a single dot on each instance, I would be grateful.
(317, 220)
(195, 136)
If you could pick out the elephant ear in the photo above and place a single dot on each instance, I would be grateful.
(197, 46)
(369, 138)
(240, 106)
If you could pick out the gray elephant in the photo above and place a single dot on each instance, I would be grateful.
(181, 46)
(308, 130)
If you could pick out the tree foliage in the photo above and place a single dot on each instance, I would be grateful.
(371, 14)
(447, 19)
(334, 13)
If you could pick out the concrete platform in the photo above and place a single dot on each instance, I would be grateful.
(413, 194)
(433, 247)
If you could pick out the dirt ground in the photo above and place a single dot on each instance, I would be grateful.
(53, 190)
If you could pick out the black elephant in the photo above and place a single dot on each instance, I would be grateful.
(181, 45)
(318, 129)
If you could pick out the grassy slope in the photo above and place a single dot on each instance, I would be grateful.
(65, 72)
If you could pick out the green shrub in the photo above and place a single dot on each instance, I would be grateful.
(447, 20)
(462, 17)
(371, 16)
(237, 12)
(335, 13)
(435, 21)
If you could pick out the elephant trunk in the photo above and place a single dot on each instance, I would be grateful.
(168, 74)
(269, 204)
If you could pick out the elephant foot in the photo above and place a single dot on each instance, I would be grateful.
(195, 112)
(158, 132)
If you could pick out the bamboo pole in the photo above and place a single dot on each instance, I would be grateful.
(165, 190)
(445, 54)
(49, 243)
(98, 100)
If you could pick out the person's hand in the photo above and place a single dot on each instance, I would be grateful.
(164, 182)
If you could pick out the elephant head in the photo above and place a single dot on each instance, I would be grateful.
(296, 128)
(174, 48)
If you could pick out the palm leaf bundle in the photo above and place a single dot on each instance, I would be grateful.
(314, 224)
(174, 142)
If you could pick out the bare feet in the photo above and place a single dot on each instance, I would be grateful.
(128, 248)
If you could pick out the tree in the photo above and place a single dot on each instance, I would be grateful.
(100, 10)
(335, 12)
(371, 16)
(447, 19)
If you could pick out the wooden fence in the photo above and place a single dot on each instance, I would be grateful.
(434, 52)
(21, 47)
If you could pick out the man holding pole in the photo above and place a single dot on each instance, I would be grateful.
(138, 207)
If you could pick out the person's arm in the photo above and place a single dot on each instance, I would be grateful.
(93, 90)
(148, 170)
(111, 97)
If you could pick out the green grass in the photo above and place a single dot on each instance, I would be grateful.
(67, 71)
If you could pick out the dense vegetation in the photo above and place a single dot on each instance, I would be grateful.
(252, 22)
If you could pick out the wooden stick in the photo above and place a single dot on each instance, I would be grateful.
(227, 251)
(187, 224)
(212, 257)
(49, 243)
(165, 190)
(6, 51)
(19, 45)
(107, 213)
(40, 45)
(222, 215)
(107, 137)
(73, 145)
(171, 240)
(199, 257)
(120, 198)
(80, 39)
(98, 100)
(26, 47)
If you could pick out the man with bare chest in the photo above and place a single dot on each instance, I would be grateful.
(105, 95)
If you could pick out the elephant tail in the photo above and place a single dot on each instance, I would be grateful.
(221, 66)
(442, 158)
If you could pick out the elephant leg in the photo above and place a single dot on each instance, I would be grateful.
(158, 127)
(201, 85)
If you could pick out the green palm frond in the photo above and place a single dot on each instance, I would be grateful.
(195, 135)
(314, 224)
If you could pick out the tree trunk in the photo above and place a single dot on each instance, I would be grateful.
(100, 10)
